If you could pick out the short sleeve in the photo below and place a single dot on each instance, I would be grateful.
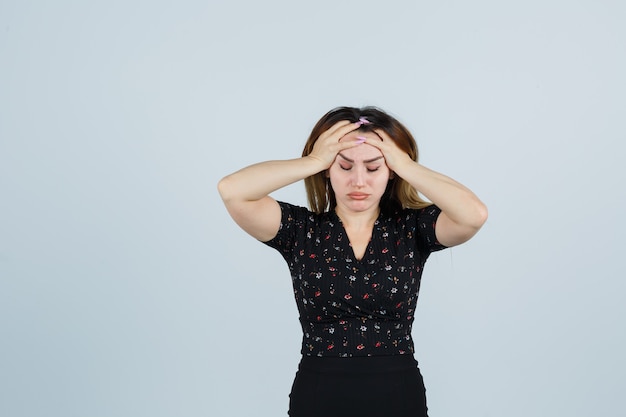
(292, 225)
(426, 220)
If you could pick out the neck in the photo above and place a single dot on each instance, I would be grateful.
(357, 220)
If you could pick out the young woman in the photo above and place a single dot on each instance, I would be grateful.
(356, 257)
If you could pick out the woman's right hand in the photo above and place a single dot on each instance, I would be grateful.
(246, 193)
(328, 145)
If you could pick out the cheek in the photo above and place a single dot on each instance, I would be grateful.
(336, 176)
(382, 181)
(333, 171)
(383, 173)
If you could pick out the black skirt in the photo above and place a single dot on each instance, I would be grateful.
(377, 386)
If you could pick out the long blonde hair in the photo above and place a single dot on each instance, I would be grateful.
(399, 193)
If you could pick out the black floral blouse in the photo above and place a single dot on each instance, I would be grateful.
(351, 307)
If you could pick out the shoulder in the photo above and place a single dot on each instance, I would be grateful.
(304, 212)
(293, 213)
(409, 216)
(417, 224)
(297, 222)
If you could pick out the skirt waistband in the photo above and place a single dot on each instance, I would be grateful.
(360, 364)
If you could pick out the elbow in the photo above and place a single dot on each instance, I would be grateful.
(223, 187)
(481, 215)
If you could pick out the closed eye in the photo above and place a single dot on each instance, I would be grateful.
(349, 167)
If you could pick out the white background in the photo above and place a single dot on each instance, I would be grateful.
(125, 288)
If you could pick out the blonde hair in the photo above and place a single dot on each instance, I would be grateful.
(399, 193)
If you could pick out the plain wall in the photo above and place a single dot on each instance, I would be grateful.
(125, 288)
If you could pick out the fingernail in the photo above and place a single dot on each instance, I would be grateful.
(364, 121)
(360, 139)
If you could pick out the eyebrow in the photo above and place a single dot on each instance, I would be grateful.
(366, 161)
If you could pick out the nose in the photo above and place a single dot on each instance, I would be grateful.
(358, 178)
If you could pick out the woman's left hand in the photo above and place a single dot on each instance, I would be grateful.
(462, 212)
(395, 157)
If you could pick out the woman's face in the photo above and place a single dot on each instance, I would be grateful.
(359, 175)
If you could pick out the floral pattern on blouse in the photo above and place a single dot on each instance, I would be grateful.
(350, 307)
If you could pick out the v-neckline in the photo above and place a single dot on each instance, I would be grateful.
(348, 243)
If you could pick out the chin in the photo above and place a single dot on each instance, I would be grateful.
(359, 205)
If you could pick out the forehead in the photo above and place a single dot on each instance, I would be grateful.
(361, 152)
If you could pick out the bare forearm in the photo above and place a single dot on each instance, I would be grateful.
(459, 203)
(259, 180)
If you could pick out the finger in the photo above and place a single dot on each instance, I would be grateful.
(385, 143)
(347, 144)
(333, 129)
(339, 125)
(382, 134)
(343, 130)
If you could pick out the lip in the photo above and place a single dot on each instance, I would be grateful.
(358, 196)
